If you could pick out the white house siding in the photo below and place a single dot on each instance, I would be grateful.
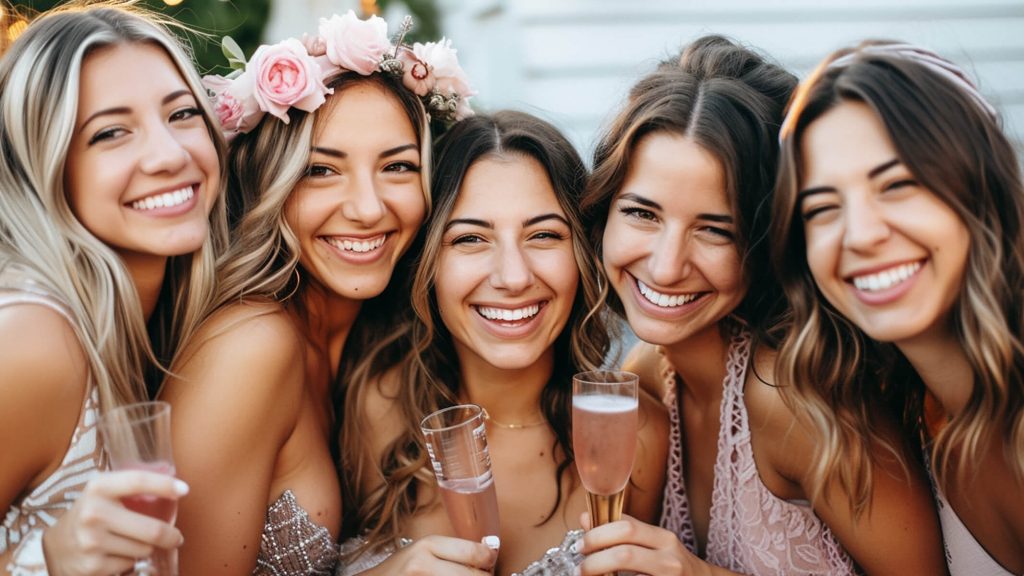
(572, 61)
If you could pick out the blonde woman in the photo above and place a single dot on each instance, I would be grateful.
(108, 189)
(900, 232)
(328, 182)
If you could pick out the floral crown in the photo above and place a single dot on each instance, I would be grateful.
(293, 73)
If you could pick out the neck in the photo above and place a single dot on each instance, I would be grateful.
(326, 319)
(943, 366)
(509, 396)
(147, 274)
(700, 362)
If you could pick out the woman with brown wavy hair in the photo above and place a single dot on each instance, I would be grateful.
(680, 195)
(900, 245)
(506, 299)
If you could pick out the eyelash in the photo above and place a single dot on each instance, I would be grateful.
(640, 213)
(186, 113)
(319, 171)
(401, 167)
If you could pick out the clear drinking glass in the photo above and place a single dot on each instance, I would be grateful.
(138, 437)
(457, 444)
(604, 424)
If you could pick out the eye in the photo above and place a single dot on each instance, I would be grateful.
(185, 114)
(638, 213)
(899, 184)
(811, 212)
(467, 240)
(401, 167)
(547, 235)
(719, 232)
(107, 134)
(319, 171)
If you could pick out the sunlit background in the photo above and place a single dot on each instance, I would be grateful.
(572, 61)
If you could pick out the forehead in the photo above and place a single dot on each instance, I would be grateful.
(363, 113)
(112, 73)
(513, 185)
(848, 139)
(677, 173)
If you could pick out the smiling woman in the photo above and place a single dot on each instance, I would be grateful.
(506, 296)
(88, 263)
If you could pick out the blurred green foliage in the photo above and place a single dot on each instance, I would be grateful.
(243, 20)
(426, 18)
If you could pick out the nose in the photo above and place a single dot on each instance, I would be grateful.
(361, 203)
(162, 151)
(863, 224)
(512, 270)
(669, 261)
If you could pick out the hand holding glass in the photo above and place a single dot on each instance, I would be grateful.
(457, 444)
(604, 425)
(138, 437)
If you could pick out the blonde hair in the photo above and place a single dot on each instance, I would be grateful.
(39, 89)
(956, 149)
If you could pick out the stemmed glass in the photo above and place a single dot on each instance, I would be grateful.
(604, 428)
(457, 444)
(138, 437)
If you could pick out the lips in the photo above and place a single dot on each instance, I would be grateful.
(360, 246)
(508, 314)
(885, 279)
(665, 300)
(164, 199)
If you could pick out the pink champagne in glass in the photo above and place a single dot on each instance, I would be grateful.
(604, 429)
(163, 508)
(472, 507)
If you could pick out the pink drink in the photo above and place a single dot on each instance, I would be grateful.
(163, 508)
(604, 440)
(472, 507)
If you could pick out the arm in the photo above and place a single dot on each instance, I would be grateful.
(235, 400)
(43, 376)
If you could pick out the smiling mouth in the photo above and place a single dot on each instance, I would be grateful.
(358, 246)
(665, 300)
(165, 200)
(510, 316)
(886, 279)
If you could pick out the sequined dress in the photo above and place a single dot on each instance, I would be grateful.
(751, 530)
(21, 534)
(292, 544)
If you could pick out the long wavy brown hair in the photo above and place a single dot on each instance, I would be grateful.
(422, 349)
(957, 150)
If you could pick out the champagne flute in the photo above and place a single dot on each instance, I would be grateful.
(138, 437)
(457, 444)
(604, 425)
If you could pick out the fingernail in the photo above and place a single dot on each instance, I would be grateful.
(577, 547)
(180, 487)
(492, 542)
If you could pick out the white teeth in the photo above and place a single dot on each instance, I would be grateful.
(165, 200)
(886, 278)
(357, 245)
(507, 315)
(664, 300)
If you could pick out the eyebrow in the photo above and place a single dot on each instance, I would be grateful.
(334, 152)
(723, 218)
(490, 225)
(126, 110)
(873, 173)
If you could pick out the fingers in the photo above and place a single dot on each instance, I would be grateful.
(633, 558)
(469, 554)
(146, 530)
(123, 483)
(626, 531)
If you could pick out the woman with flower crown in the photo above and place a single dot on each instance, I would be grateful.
(899, 223)
(328, 187)
(680, 188)
(111, 214)
(507, 300)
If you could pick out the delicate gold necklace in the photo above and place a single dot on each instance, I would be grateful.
(487, 416)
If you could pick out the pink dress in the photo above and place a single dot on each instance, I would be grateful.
(751, 530)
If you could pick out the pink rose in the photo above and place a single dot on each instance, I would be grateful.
(234, 104)
(417, 75)
(314, 45)
(355, 44)
(286, 75)
(444, 63)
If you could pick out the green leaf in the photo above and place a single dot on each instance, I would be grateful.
(233, 52)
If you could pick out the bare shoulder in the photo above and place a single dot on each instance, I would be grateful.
(43, 378)
(644, 360)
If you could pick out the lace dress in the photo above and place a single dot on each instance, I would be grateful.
(22, 530)
(292, 544)
(751, 530)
